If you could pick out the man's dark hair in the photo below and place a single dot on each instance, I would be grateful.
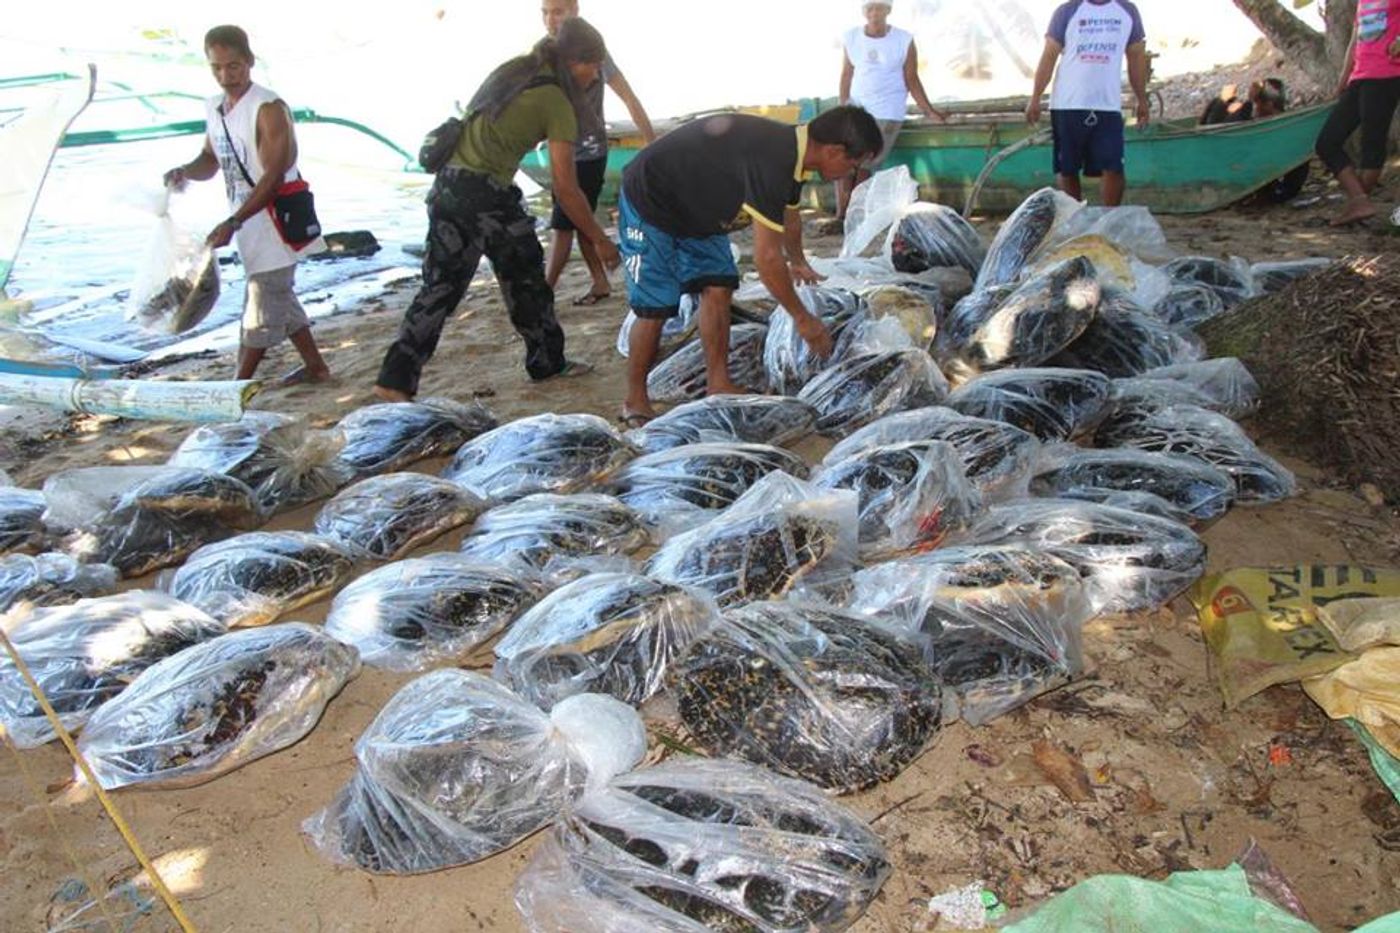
(230, 37)
(850, 127)
(577, 41)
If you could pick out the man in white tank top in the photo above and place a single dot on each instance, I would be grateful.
(250, 137)
(879, 71)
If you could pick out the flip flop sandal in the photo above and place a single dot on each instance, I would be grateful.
(589, 299)
(633, 419)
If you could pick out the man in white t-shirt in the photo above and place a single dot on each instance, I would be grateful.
(1086, 104)
(879, 71)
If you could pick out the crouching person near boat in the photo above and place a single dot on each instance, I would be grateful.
(680, 197)
(474, 209)
(250, 137)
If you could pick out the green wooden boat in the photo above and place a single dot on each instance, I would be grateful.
(1173, 167)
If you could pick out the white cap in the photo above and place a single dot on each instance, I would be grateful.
(887, 4)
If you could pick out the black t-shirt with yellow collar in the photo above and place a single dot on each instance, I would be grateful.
(695, 180)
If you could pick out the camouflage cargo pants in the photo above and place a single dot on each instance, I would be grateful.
(469, 216)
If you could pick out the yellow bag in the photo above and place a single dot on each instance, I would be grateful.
(1367, 690)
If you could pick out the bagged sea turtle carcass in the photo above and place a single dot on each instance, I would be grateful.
(185, 298)
(388, 437)
(1124, 340)
(1225, 380)
(456, 767)
(1188, 304)
(1270, 277)
(1032, 225)
(681, 376)
(217, 706)
(542, 453)
(965, 318)
(778, 532)
(610, 633)
(686, 486)
(22, 519)
(1230, 280)
(928, 235)
(385, 517)
(84, 654)
(158, 521)
(256, 578)
(1053, 404)
(788, 362)
(559, 536)
(1130, 227)
(809, 692)
(754, 419)
(1130, 560)
(1198, 489)
(412, 614)
(1000, 624)
(996, 457)
(51, 579)
(1206, 436)
(1040, 318)
(674, 333)
(695, 845)
(859, 389)
(285, 464)
(912, 494)
(916, 313)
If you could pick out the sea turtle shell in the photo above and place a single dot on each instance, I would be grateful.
(1052, 404)
(915, 312)
(755, 419)
(1124, 340)
(254, 578)
(811, 693)
(1021, 236)
(1231, 282)
(1040, 318)
(788, 362)
(965, 318)
(542, 453)
(684, 486)
(932, 235)
(861, 388)
(84, 654)
(612, 633)
(21, 519)
(1188, 304)
(552, 533)
(384, 517)
(694, 845)
(417, 612)
(681, 376)
(388, 437)
(216, 706)
(51, 579)
(1202, 491)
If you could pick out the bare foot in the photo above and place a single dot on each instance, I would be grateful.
(637, 408)
(1356, 210)
(303, 375)
(390, 395)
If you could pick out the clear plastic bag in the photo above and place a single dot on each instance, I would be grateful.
(674, 333)
(694, 845)
(1188, 304)
(779, 531)
(610, 633)
(1052, 404)
(84, 654)
(1036, 222)
(284, 463)
(996, 456)
(1124, 340)
(1225, 380)
(929, 235)
(73, 497)
(754, 419)
(912, 495)
(389, 437)
(861, 388)
(51, 579)
(1198, 489)
(1000, 625)
(677, 489)
(681, 376)
(788, 362)
(217, 706)
(556, 535)
(1045, 314)
(875, 204)
(1130, 560)
(22, 519)
(412, 614)
(1229, 279)
(456, 767)
(914, 309)
(1207, 436)
(809, 692)
(1131, 499)
(542, 453)
(966, 317)
(1270, 277)
(1129, 227)
(177, 284)
(256, 578)
(385, 517)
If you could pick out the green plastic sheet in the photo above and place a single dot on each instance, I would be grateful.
(1387, 767)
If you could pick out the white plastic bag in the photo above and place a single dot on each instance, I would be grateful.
(177, 283)
(51, 579)
(875, 204)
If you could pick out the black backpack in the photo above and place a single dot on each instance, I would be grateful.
(441, 141)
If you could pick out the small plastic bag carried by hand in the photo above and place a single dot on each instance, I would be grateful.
(412, 614)
(863, 387)
(695, 845)
(674, 333)
(1053, 404)
(256, 578)
(681, 376)
(1035, 223)
(217, 706)
(51, 579)
(1001, 624)
(178, 282)
(388, 437)
(609, 633)
(1045, 314)
(875, 204)
(542, 453)
(753, 419)
(1225, 380)
(384, 517)
(1200, 490)
(1124, 340)
(929, 235)
(456, 767)
(84, 654)
(556, 535)
(22, 519)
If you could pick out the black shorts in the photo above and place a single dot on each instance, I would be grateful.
(590, 180)
(1088, 141)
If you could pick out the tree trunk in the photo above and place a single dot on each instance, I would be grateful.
(1317, 53)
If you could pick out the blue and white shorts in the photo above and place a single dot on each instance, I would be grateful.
(661, 267)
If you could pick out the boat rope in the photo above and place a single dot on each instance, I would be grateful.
(1035, 139)
(64, 736)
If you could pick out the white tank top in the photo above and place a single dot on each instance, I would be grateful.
(1090, 73)
(878, 83)
(259, 245)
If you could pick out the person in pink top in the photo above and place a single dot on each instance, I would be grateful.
(1366, 98)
